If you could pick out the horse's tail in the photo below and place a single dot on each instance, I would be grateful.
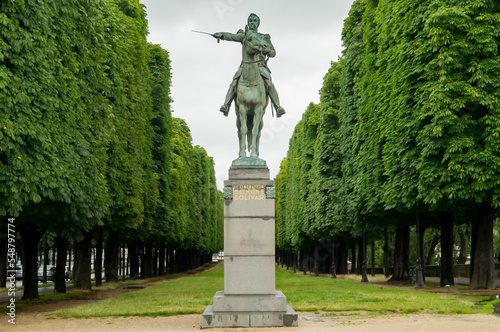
(249, 133)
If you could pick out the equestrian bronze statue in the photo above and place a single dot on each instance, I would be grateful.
(252, 86)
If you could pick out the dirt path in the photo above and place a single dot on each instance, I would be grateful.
(36, 317)
(307, 322)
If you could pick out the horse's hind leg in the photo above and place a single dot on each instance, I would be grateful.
(250, 134)
(240, 137)
(257, 126)
(258, 137)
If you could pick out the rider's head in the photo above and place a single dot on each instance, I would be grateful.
(253, 21)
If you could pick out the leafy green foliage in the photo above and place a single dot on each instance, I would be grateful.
(196, 205)
(460, 104)
(159, 66)
(52, 123)
(131, 180)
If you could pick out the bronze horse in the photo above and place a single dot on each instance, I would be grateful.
(251, 95)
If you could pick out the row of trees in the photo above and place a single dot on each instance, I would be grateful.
(88, 146)
(407, 130)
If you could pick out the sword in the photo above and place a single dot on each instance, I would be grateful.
(206, 33)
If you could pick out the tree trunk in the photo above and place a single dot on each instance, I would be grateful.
(60, 277)
(316, 263)
(304, 256)
(171, 260)
(373, 257)
(98, 258)
(161, 265)
(45, 260)
(123, 262)
(134, 259)
(353, 256)
(289, 259)
(342, 254)
(421, 241)
(364, 277)
(147, 262)
(111, 259)
(127, 269)
(155, 261)
(75, 262)
(294, 255)
(447, 275)
(69, 256)
(464, 243)
(482, 256)
(387, 253)
(180, 258)
(120, 261)
(83, 262)
(54, 254)
(359, 262)
(401, 253)
(30, 237)
(333, 257)
(432, 249)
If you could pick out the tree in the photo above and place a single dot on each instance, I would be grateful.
(50, 137)
(131, 178)
(459, 120)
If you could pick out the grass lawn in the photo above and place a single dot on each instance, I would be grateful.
(304, 293)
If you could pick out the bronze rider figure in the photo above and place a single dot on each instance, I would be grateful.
(253, 24)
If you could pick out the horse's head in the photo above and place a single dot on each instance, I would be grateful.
(255, 43)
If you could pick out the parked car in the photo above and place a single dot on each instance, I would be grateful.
(19, 272)
(68, 274)
(51, 273)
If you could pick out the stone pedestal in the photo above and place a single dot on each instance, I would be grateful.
(249, 297)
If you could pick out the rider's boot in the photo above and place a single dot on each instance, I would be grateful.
(224, 109)
(273, 94)
(229, 98)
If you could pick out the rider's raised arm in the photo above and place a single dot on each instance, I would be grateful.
(237, 37)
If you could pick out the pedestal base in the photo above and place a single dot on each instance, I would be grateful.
(249, 298)
(249, 311)
(249, 162)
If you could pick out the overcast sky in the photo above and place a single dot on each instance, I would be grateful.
(306, 36)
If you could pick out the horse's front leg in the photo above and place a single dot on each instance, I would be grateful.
(242, 131)
(257, 126)
(258, 136)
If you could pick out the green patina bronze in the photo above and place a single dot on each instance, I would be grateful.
(270, 192)
(227, 192)
(251, 87)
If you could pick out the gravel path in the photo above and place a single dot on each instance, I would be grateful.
(307, 322)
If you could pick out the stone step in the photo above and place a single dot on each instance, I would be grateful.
(211, 319)
(246, 302)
